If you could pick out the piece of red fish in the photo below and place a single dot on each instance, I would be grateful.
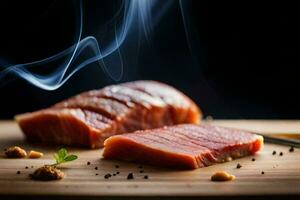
(89, 118)
(187, 146)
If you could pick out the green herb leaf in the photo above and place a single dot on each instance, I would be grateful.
(62, 153)
(70, 158)
(62, 156)
(56, 157)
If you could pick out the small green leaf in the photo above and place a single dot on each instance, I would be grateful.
(56, 157)
(70, 158)
(62, 156)
(62, 153)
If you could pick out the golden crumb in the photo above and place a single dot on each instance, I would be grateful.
(15, 152)
(35, 154)
(47, 173)
(222, 176)
(228, 159)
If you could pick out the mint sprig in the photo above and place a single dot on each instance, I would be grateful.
(62, 156)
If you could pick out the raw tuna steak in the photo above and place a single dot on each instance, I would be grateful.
(186, 146)
(89, 118)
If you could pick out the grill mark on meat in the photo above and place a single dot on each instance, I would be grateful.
(168, 94)
(202, 131)
(109, 108)
(176, 140)
(126, 94)
(96, 119)
(197, 141)
(194, 134)
(99, 94)
(218, 134)
(156, 142)
(225, 134)
(183, 148)
(177, 102)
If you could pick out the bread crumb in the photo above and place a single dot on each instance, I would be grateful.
(222, 176)
(47, 173)
(15, 152)
(35, 154)
(228, 159)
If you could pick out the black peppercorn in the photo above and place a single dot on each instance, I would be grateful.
(107, 176)
(238, 166)
(130, 176)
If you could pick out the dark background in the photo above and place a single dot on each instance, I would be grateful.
(243, 61)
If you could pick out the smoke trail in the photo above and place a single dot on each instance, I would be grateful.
(136, 15)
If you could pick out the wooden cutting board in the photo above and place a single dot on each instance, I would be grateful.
(282, 173)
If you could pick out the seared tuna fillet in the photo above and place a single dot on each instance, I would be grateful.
(89, 118)
(187, 146)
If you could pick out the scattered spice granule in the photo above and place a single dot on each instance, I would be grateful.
(117, 166)
(26, 167)
(238, 166)
(274, 152)
(114, 174)
(35, 154)
(253, 159)
(141, 171)
(146, 177)
(118, 172)
(88, 163)
(222, 176)
(291, 149)
(18, 172)
(96, 168)
(15, 152)
(262, 172)
(31, 166)
(130, 176)
(96, 174)
(47, 173)
(281, 154)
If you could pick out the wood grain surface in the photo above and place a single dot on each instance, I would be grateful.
(282, 173)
